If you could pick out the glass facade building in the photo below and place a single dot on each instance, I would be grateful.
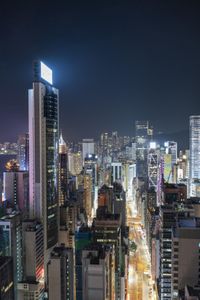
(43, 154)
(194, 150)
(142, 139)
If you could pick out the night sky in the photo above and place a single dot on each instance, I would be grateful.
(113, 62)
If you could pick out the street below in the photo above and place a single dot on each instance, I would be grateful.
(140, 283)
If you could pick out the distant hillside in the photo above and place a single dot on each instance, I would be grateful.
(181, 137)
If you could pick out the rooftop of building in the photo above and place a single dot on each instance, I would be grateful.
(34, 226)
(193, 291)
(176, 206)
(29, 281)
(84, 229)
(194, 200)
(10, 215)
(174, 186)
(106, 216)
(97, 252)
(60, 250)
(104, 188)
(187, 228)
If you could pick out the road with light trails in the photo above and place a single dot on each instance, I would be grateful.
(140, 284)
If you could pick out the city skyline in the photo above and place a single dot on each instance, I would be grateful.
(100, 150)
(133, 59)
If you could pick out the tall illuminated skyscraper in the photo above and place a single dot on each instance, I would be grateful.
(22, 153)
(87, 148)
(43, 152)
(142, 136)
(63, 170)
(171, 148)
(194, 152)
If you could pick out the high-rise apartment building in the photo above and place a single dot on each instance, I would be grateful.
(32, 285)
(186, 240)
(172, 218)
(43, 154)
(98, 273)
(61, 274)
(16, 190)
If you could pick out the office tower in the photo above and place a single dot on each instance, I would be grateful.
(116, 172)
(75, 163)
(171, 148)
(119, 202)
(104, 141)
(153, 165)
(183, 165)
(87, 148)
(131, 174)
(194, 136)
(23, 152)
(90, 169)
(16, 190)
(98, 275)
(130, 151)
(6, 278)
(170, 162)
(11, 244)
(115, 141)
(185, 255)
(133, 146)
(32, 285)
(61, 283)
(167, 168)
(126, 140)
(43, 153)
(63, 171)
(87, 195)
(142, 137)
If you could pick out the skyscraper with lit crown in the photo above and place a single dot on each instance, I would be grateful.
(43, 154)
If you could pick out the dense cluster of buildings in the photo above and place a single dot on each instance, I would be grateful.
(63, 214)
